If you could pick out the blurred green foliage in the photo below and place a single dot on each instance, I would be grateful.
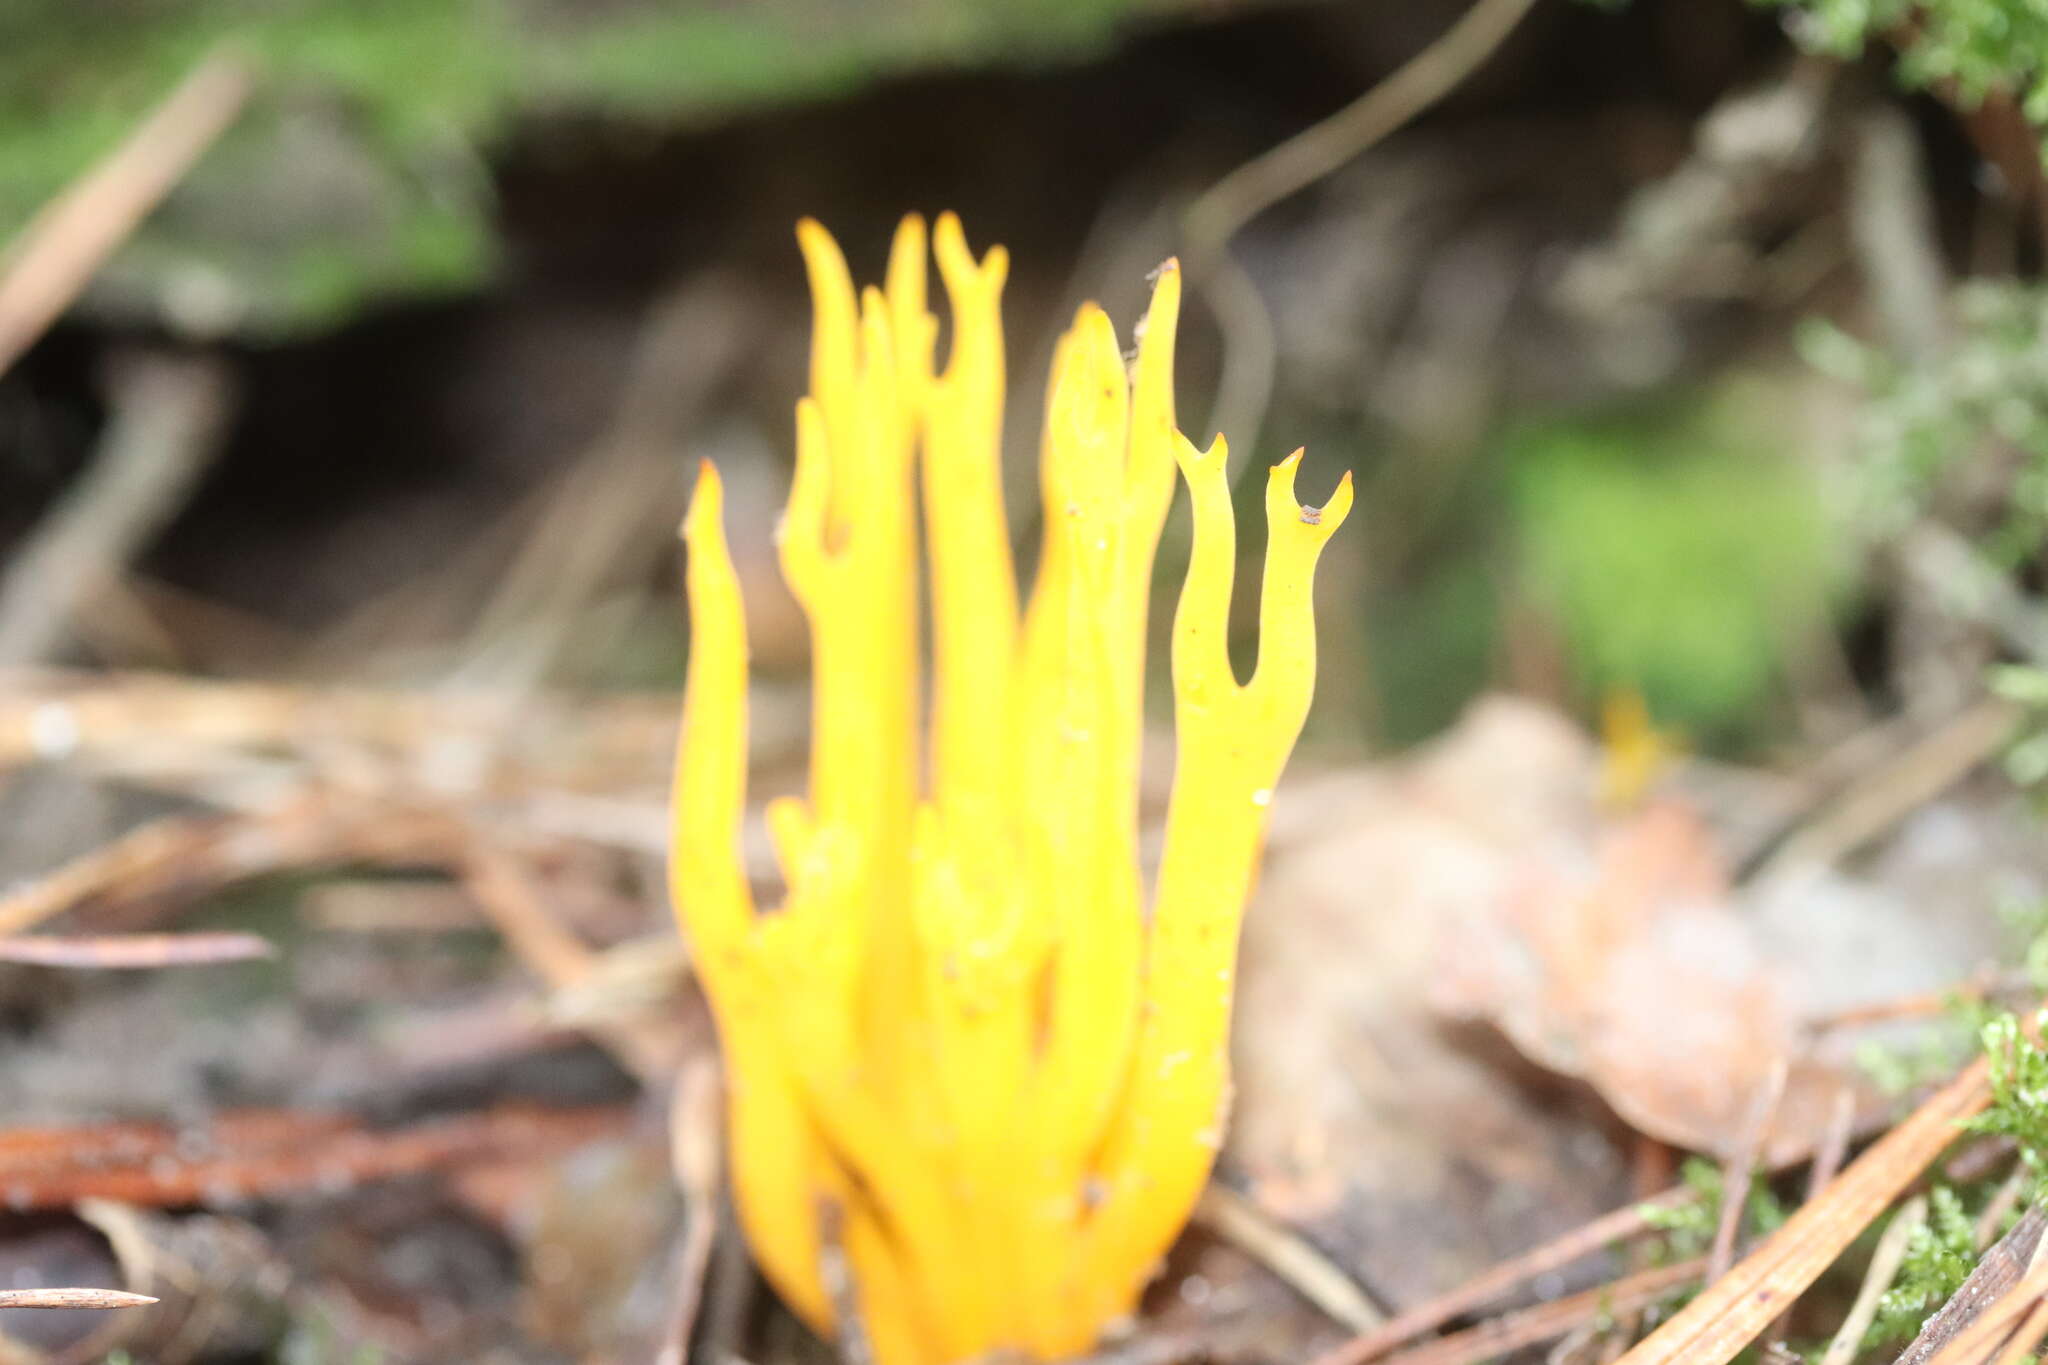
(2019, 1091)
(1988, 389)
(361, 169)
(1682, 553)
(1940, 1254)
(1688, 1229)
(1963, 50)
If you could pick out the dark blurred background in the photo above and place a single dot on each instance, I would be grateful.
(480, 282)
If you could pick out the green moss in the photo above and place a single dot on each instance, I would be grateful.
(1681, 553)
(1939, 1256)
(415, 94)
(1965, 49)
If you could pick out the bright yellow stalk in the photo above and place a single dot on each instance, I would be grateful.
(962, 1046)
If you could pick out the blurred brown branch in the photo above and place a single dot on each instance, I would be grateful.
(57, 253)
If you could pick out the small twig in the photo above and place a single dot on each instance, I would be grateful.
(507, 897)
(1903, 784)
(1984, 985)
(1827, 1163)
(1739, 1170)
(2002, 1202)
(694, 1158)
(167, 416)
(1528, 1326)
(1584, 1240)
(1290, 1257)
(1834, 1144)
(130, 951)
(72, 1298)
(1994, 1323)
(515, 908)
(1995, 1273)
(1884, 1268)
(56, 255)
(191, 852)
(1215, 217)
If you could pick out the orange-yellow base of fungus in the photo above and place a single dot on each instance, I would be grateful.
(968, 1048)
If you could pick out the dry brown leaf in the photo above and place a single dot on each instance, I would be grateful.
(1623, 962)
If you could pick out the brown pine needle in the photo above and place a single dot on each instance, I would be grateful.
(1544, 1321)
(1290, 1257)
(63, 246)
(2028, 1338)
(1884, 1268)
(1734, 1310)
(132, 951)
(1740, 1169)
(72, 1298)
(1584, 1240)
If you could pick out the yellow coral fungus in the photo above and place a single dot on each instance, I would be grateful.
(964, 1050)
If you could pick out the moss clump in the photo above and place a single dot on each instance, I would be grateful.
(1682, 555)
(359, 170)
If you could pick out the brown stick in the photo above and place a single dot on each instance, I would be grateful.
(1997, 1271)
(1992, 1326)
(56, 255)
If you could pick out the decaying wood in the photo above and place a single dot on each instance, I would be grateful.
(1994, 1275)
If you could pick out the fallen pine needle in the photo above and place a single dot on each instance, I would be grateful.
(1528, 1326)
(1740, 1169)
(2028, 1338)
(131, 951)
(1735, 1309)
(1288, 1256)
(1561, 1251)
(72, 1298)
(1884, 1268)
(64, 245)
